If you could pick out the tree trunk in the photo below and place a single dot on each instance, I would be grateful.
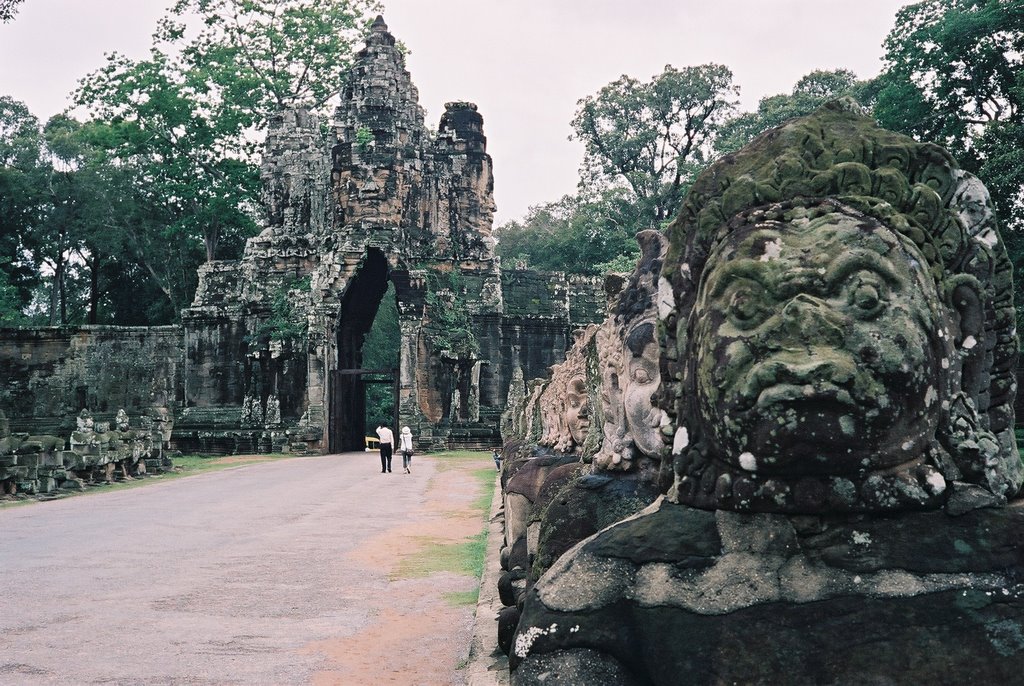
(63, 294)
(58, 297)
(210, 240)
(55, 292)
(94, 287)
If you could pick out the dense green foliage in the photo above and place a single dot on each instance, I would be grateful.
(64, 214)
(449, 321)
(652, 137)
(644, 143)
(21, 173)
(286, 323)
(574, 235)
(381, 351)
(954, 75)
(809, 93)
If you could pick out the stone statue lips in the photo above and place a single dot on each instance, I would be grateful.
(799, 405)
(788, 378)
(817, 395)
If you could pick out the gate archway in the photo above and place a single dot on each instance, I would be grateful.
(348, 401)
(347, 382)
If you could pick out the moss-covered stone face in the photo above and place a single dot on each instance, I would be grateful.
(815, 346)
(837, 327)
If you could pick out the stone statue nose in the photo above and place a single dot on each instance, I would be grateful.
(812, 320)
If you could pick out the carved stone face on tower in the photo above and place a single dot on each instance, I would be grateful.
(816, 346)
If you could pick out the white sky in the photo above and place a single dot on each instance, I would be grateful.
(524, 62)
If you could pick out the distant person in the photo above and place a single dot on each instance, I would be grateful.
(497, 459)
(387, 442)
(405, 445)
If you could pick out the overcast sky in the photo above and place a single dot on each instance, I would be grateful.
(524, 62)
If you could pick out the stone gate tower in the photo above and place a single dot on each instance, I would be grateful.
(269, 337)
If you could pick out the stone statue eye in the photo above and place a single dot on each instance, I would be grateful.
(745, 308)
(867, 298)
(641, 375)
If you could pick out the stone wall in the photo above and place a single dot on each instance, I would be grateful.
(49, 374)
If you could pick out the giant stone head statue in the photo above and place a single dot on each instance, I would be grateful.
(838, 327)
(627, 348)
(565, 400)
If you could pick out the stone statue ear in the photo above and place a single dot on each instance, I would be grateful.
(963, 295)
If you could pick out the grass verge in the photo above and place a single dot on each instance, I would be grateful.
(462, 557)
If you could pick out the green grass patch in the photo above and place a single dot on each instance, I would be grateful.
(484, 475)
(197, 464)
(462, 598)
(456, 459)
(465, 557)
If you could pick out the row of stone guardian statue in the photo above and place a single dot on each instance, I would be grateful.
(787, 455)
(94, 452)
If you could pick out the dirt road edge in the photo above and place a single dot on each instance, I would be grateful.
(487, 665)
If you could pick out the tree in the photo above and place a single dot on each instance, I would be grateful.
(21, 172)
(103, 203)
(8, 8)
(652, 138)
(381, 351)
(576, 234)
(809, 93)
(954, 75)
(260, 56)
(45, 206)
(193, 157)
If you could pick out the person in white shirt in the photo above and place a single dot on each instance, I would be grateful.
(405, 445)
(387, 441)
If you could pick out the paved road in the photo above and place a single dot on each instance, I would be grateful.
(234, 576)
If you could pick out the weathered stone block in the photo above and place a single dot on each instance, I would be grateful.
(29, 460)
(73, 460)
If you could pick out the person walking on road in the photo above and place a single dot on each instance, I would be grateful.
(387, 442)
(405, 445)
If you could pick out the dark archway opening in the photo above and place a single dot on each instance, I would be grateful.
(360, 306)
